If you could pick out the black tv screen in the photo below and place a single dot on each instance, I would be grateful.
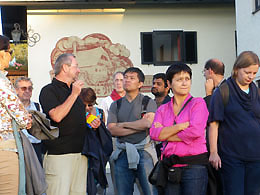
(11, 15)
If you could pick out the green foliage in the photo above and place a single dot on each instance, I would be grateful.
(20, 52)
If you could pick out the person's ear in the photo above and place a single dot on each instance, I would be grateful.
(2, 54)
(211, 72)
(234, 73)
(65, 67)
(140, 85)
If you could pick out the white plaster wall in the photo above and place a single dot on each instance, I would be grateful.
(248, 27)
(215, 36)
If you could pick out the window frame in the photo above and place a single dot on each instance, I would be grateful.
(257, 6)
(183, 44)
(180, 46)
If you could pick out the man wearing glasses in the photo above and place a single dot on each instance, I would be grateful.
(24, 87)
(214, 74)
(11, 109)
(65, 167)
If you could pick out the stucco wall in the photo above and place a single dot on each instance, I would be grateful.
(215, 36)
(248, 27)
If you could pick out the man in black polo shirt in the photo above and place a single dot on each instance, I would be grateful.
(65, 167)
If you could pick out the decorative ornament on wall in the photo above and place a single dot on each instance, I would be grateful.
(98, 59)
(32, 37)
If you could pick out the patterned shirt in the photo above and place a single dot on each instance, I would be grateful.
(10, 101)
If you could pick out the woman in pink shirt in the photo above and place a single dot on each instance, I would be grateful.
(180, 125)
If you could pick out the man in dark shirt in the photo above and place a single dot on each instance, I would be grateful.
(160, 89)
(65, 167)
(214, 74)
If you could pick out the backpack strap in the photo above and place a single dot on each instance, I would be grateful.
(145, 102)
(118, 104)
(224, 91)
(174, 122)
(37, 105)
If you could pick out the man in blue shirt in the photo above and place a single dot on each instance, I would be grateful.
(24, 87)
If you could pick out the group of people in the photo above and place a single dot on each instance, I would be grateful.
(206, 145)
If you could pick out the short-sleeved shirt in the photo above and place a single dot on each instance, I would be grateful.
(129, 112)
(239, 129)
(72, 127)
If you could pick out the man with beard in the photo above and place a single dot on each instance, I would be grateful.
(160, 89)
(65, 167)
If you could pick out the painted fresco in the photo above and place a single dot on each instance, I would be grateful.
(19, 60)
(98, 59)
(18, 66)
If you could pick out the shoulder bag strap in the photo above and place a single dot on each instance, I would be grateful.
(18, 141)
(175, 122)
(37, 105)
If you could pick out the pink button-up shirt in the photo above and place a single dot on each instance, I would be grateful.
(193, 138)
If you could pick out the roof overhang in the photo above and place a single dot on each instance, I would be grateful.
(100, 4)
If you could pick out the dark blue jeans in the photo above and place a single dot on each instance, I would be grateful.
(240, 177)
(125, 177)
(194, 181)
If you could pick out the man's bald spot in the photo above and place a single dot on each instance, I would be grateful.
(216, 66)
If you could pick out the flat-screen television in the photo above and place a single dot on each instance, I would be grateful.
(11, 15)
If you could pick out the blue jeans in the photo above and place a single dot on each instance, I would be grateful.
(240, 177)
(194, 181)
(125, 177)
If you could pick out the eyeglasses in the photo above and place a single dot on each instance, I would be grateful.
(90, 105)
(26, 88)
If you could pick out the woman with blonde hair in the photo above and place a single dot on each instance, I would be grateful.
(234, 133)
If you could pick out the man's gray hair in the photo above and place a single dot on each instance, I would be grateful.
(16, 84)
(62, 59)
(118, 72)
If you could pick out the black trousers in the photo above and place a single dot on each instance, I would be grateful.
(38, 150)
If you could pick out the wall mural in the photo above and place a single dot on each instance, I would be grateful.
(98, 59)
